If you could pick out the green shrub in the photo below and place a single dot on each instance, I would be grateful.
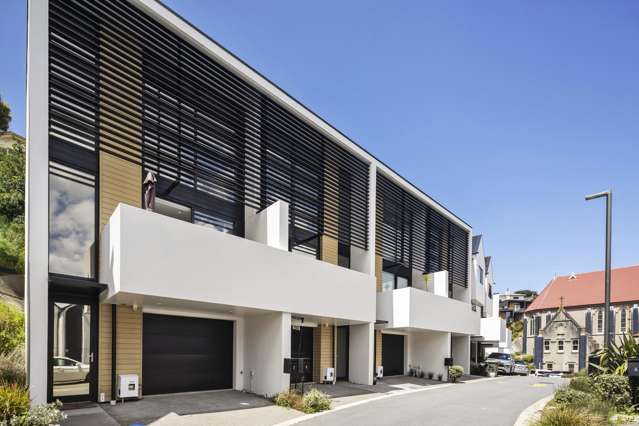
(569, 416)
(569, 396)
(455, 372)
(41, 415)
(289, 399)
(614, 389)
(581, 383)
(12, 368)
(11, 328)
(440, 376)
(315, 401)
(14, 401)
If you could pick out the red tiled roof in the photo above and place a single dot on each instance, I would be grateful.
(588, 289)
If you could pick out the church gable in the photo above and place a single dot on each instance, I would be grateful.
(562, 325)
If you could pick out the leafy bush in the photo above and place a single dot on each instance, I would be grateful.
(440, 376)
(41, 415)
(315, 401)
(11, 328)
(614, 389)
(570, 396)
(614, 359)
(12, 369)
(491, 368)
(455, 372)
(581, 383)
(14, 401)
(569, 416)
(430, 375)
(289, 399)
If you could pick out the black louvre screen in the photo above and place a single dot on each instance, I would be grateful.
(412, 234)
(124, 84)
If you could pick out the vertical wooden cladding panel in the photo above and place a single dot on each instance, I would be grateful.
(129, 342)
(323, 354)
(379, 269)
(329, 249)
(120, 106)
(104, 352)
(378, 348)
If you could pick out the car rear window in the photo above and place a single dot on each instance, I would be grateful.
(496, 355)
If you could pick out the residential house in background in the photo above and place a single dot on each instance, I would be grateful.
(565, 323)
(493, 335)
(9, 138)
(271, 235)
(513, 305)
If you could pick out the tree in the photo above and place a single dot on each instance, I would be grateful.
(5, 116)
(527, 293)
(12, 176)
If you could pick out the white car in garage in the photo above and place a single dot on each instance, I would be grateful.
(67, 370)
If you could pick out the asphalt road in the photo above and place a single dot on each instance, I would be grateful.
(491, 403)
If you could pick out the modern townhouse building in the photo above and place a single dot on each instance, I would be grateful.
(565, 323)
(272, 235)
(493, 334)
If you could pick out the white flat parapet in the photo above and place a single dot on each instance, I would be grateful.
(493, 329)
(144, 254)
(412, 308)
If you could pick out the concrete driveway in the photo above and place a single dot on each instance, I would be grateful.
(488, 403)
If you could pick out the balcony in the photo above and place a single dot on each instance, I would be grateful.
(493, 329)
(413, 308)
(147, 258)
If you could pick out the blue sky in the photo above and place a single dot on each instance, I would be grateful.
(507, 112)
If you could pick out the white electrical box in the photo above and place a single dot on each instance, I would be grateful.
(128, 386)
(380, 371)
(329, 375)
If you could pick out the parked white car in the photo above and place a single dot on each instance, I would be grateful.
(520, 368)
(67, 370)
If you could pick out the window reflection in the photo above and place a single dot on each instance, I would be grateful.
(71, 222)
(71, 349)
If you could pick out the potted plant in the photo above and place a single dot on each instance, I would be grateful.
(455, 372)
(440, 376)
(430, 375)
(491, 369)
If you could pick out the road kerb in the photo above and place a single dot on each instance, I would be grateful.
(531, 412)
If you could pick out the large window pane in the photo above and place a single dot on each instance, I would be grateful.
(388, 281)
(71, 222)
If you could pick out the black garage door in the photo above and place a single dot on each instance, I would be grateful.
(393, 354)
(183, 354)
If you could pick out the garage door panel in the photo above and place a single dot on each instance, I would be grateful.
(184, 354)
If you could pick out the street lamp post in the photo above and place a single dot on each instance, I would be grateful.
(608, 195)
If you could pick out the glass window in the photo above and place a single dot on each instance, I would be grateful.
(624, 320)
(211, 221)
(171, 209)
(71, 222)
(549, 366)
(344, 255)
(575, 345)
(402, 282)
(560, 346)
(481, 275)
(571, 368)
(388, 281)
(547, 345)
(600, 321)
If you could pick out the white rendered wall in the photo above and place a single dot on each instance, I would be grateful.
(267, 343)
(427, 349)
(414, 308)
(360, 353)
(223, 269)
(269, 226)
(37, 200)
(461, 351)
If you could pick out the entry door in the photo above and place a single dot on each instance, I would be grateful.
(342, 352)
(393, 354)
(72, 350)
(302, 347)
